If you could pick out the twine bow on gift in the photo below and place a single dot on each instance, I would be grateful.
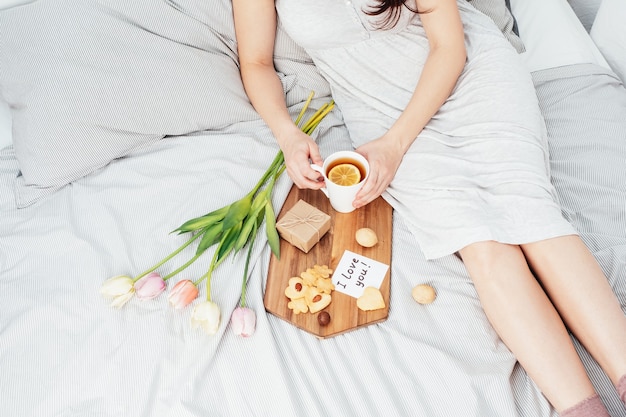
(296, 220)
(289, 225)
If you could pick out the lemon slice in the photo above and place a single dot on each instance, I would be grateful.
(344, 174)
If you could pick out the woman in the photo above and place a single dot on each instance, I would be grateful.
(437, 101)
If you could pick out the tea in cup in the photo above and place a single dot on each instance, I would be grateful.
(344, 173)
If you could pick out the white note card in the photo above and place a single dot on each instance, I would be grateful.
(355, 272)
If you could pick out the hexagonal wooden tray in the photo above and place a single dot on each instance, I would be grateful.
(344, 313)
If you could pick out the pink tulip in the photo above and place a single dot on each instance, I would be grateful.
(183, 293)
(150, 286)
(243, 321)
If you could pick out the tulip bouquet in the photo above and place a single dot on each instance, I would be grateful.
(231, 228)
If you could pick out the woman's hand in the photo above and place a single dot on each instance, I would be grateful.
(384, 156)
(300, 150)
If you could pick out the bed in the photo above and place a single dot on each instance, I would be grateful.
(109, 142)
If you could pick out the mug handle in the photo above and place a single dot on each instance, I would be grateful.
(321, 171)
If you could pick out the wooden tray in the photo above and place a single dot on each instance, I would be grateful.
(344, 313)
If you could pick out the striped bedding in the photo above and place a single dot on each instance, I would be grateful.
(65, 353)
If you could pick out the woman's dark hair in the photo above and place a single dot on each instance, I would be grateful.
(391, 10)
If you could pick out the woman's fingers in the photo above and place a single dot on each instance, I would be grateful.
(373, 187)
(379, 179)
(303, 176)
(314, 154)
(384, 158)
(299, 153)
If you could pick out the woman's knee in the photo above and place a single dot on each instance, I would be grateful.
(488, 259)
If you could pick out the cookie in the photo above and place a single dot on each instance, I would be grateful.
(371, 299)
(296, 288)
(309, 277)
(298, 306)
(323, 270)
(325, 285)
(311, 291)
(424, 294)
(316, 300)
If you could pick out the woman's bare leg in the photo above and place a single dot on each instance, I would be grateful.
(527, 322)
(581, 293)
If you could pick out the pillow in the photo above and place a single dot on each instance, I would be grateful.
(499, 12)
(5, 112)
(90, 81)
(5, 125)
(508, 7)
(586, 11)
(609, 33)
(553, 35)
(5, 4)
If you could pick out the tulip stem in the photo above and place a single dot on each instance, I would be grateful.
(189, 262)
(242, 300)
(274, 167)
(304, 108)
(207, 277)
(167, 258)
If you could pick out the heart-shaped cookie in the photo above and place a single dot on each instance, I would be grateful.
(319, 302)
(371, 299)
(296, 288)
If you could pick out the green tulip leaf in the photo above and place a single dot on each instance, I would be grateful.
(227, 243)
(270, 229)
(211, 236)
(202, 221)
(237, 212)
(249, 227)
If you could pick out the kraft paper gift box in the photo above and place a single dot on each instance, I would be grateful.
(303, 225)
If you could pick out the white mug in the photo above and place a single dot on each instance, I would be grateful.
(342, 196)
